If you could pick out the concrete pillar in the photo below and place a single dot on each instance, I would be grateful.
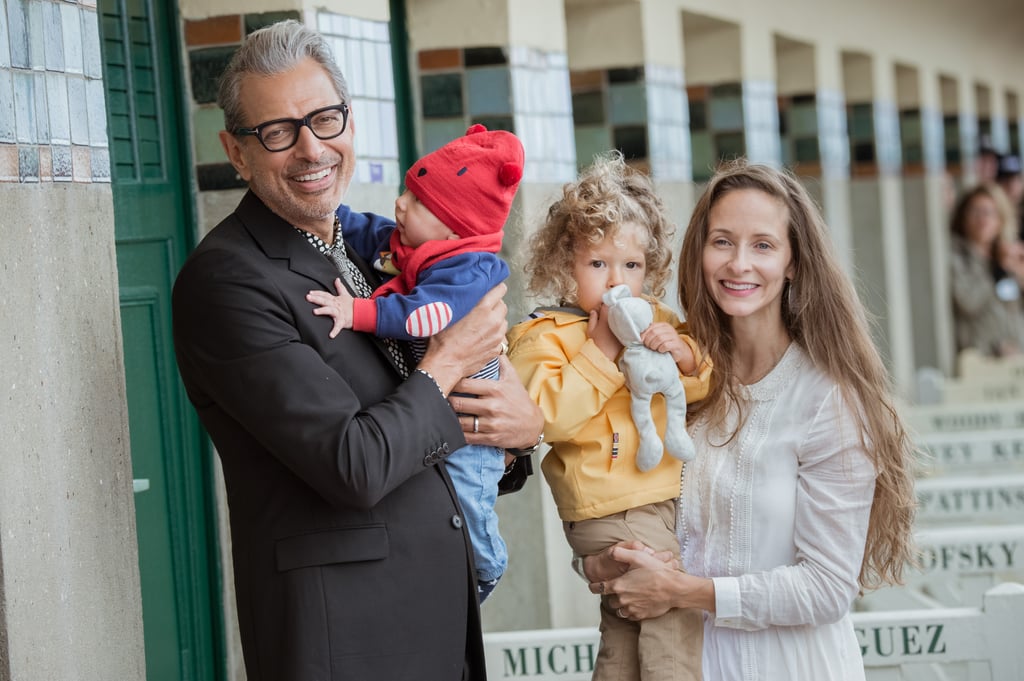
(937, 185)
(70, 600)
(834, 146)
(894, 240)
(509, 71)
(760, 107)
(879, 237)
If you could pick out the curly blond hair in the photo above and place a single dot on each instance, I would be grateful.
(606, 195)
(824, 316)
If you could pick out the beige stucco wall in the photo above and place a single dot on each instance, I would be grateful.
(70, 604)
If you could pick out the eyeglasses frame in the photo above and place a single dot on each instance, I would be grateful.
(257, 130)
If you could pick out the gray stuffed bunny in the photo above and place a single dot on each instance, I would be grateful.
(647, 373)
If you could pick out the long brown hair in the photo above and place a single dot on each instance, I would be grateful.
(824, 316)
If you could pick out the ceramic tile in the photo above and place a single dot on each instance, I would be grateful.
(627, 104)
(372, 74)
(5, 40)
(81, 164)
(17, 33)
(441, 95)
(8, 116)
(369, 127)
(41, 115)
(631, 140)
(488, 91)
(71, 32)
(495, 122)
(586, 80)
(54, 37)
(91, 38)
(802, 119)
(217, 176)
(386, 81)
(430, 60)
(205, 67)
(725, 113)
(438, 132)
(255, 21)
(353, 67)
(389, 126)
(96, 105)
(633, 74)
(207, 122)
(484, 56)
(57, 108)
(702, 153)
(37, 29)
(61, 163)
(45, 164)
(28, 163)
(222, 30)
(588, 108)
(8, 163)
(100, 165)
(24, 107)
(78, 110)
(591, 140)
(805, 150)
(861, 121)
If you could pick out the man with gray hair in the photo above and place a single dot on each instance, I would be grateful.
(350, 555)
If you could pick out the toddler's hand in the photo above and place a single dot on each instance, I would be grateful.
(662, 337)
(599, 332)
(339, 307)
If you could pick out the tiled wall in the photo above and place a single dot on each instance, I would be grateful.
(363, 50)
(522, 90)
(53, 125)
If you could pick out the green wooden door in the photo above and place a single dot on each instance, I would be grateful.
(153, 225)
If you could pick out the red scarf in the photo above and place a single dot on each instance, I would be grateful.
(411, 261)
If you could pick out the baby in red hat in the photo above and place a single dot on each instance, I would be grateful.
(442, 255)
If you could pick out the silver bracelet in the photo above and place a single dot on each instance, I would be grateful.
(434, 381)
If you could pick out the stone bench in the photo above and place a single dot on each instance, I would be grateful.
(958, 564)
(957, 417)
(957, 499)
(893, 644)
(998, 450)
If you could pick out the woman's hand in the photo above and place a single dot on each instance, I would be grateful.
(618, 559)
(648, 584)
(502, 413)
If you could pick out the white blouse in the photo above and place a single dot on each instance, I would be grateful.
(778, 518)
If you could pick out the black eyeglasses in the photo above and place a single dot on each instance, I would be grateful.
(278, 135)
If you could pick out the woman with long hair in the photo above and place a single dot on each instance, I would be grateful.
(801, 494)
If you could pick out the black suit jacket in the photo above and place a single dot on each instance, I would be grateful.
(350, 558)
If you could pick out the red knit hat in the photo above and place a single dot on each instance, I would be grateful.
(469, 183)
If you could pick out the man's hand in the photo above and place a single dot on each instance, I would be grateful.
(465, 347)
(502, 413)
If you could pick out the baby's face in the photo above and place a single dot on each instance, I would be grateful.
(416, 224)
(618, 259)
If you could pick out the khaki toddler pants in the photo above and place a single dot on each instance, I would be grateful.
(665, 648)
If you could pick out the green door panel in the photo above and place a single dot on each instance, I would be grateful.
(153, 228)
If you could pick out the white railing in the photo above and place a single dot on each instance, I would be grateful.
(891, 642)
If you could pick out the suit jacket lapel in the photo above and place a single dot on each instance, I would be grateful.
(280, 240)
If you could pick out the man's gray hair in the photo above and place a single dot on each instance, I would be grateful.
(270, 51)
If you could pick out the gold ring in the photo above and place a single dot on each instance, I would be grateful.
(476, 424)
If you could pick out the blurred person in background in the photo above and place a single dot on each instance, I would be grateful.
(986, 318)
